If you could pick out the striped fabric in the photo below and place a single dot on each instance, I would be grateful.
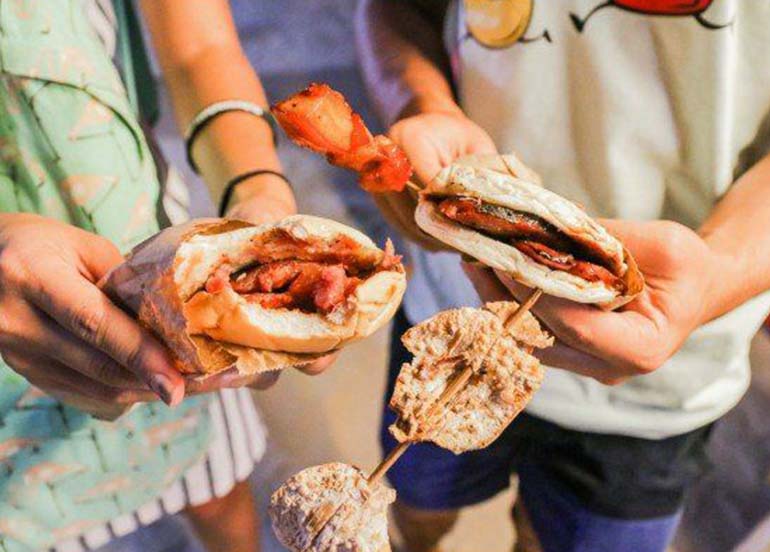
(237, 434)
(238, 444)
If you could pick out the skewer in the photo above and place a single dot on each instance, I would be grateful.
(413, 186)
(452, 390)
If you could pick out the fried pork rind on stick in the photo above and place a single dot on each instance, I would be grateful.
(233, 295)
(319, 118)
(501, 386)
(331, 507)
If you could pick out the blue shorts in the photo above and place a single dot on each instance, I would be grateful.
(583, 491)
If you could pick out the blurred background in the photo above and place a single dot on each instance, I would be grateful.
(336, 417)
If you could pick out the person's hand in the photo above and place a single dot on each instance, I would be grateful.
(431, 141)
(434, 140)
(265, 198)
(262, 199)
(60, 332)
(681, 274)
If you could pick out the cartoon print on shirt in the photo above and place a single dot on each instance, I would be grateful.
(499, 23)
(674, 8)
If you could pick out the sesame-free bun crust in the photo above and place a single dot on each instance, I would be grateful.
(504, 189)
(227, 316)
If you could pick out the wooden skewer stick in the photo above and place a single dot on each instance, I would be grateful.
(413, 186)
(452, 389)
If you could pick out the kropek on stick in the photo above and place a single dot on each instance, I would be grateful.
(471, 375)
(319, 118)
(331, 507)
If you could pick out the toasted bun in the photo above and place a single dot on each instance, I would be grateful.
(228, 317)
(502, 386)
(517, 193)
(331, 507)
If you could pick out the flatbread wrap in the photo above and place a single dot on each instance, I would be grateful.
(498, 213)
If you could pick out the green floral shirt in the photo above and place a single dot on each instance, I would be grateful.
(71, 149)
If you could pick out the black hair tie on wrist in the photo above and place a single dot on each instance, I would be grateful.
(230, 187)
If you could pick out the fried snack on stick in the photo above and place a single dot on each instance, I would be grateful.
(319, 118)
(331, 507)
(232, 295)
(505, 376)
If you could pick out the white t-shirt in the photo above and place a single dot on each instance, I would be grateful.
(636, 117)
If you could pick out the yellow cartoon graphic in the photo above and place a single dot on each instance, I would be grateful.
(499, 23)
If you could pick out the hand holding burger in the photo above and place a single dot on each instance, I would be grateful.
(681, 273)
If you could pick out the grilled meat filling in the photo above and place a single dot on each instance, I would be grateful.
(538, 239)
(320, 280)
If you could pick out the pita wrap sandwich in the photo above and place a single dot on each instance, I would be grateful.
(494, 210)
(227, 294)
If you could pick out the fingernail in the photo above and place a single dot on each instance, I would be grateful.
(230, 379)
(162, 385)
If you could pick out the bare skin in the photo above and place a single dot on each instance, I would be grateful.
(236, 512)
(59, 331)
(692, 276)
(423, 529)
(202, 63)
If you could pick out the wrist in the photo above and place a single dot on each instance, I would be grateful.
(722, 282)
(419, 105)
(266, 188)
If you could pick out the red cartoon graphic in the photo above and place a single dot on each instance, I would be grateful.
(693, 8)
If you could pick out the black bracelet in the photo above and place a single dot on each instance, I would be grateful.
(228, 193)
(211, 112)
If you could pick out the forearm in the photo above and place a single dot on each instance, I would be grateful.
(403, 60)
(737, 233)
(203, 63)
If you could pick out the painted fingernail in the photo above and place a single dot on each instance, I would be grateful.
(163, 387)
(231, 380)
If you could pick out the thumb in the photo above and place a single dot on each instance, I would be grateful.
(97, 255)
(426, 167)
(645, 240)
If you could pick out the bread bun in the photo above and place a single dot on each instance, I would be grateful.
(228, 316)
(162, 274)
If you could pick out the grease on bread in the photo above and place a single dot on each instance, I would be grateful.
(229, 316)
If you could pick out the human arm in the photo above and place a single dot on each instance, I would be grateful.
(203, 62)
(406, 71)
